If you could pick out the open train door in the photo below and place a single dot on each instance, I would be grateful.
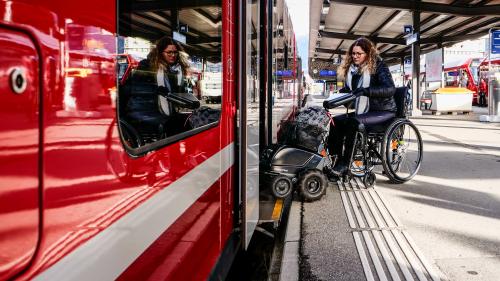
(19, 149)
(248, 116)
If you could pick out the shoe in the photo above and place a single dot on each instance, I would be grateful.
(339, 169)
(327, 170)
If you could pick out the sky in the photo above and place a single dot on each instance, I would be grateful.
(299, 12)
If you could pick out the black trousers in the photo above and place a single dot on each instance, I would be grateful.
(482, 99)
(343, 131)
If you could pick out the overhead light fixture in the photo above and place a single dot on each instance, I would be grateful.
(326, 7)
(317, 44)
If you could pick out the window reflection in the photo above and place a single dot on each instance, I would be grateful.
(169, 70)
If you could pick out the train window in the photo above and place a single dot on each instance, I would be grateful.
(169, 69)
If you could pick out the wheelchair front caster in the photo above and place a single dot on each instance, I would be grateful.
(281, 186)
(346, 178)
(369, 179)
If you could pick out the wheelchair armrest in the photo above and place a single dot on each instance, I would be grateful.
(186, 100)
(340, 100)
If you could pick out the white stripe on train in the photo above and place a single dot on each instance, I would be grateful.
(109, 253)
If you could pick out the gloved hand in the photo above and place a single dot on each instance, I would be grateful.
(345, 90)
(162, 91)
(361, 92)
(326, 105)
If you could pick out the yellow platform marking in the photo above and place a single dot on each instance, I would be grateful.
(277, 209)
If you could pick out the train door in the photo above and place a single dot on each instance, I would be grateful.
(19, 151)
(248, 118)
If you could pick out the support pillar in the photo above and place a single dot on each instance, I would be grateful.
(415, 61)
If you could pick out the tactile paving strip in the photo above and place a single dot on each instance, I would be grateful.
(386, 250)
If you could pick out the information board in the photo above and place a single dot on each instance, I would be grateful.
(495, 41)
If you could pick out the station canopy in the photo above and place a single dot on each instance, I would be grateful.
(152, 19)
(335, 24)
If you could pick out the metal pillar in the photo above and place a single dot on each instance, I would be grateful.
(493, 84)
(263, 101)
(415, 60)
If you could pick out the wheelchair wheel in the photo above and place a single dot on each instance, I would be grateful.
(130, 136)
(281, 186)
(402, 151)
(312, 185)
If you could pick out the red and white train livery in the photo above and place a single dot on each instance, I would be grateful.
(87, 193)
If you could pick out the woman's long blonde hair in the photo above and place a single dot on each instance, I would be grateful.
(371, 61)
(156, 58)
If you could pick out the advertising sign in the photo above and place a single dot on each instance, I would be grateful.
(434, 66)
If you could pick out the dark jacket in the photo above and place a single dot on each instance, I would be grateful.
(381, 90)
(139, 93)
(141, 89)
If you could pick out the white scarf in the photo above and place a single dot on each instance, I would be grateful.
(362, 104)
(162, 80)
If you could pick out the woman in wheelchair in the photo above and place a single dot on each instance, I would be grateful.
(369, 79)
(143, 96)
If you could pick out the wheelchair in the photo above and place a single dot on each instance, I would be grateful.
(395, 144)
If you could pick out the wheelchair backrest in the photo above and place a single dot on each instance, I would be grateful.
(400, 98)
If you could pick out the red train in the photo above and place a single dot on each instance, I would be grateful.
(470, 71)
(89, 192)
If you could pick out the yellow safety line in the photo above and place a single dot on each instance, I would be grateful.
(277, 209)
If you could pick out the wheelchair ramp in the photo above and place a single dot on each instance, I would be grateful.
(386, 250)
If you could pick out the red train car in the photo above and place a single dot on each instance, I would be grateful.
(91, 189)
(463, 73)
(470, 71)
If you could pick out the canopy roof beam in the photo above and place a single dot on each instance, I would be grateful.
(151, 6)
(427, 7)
(346, 36)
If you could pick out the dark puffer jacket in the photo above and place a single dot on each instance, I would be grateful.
(381, 90)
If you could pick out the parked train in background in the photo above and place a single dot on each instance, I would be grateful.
(468, 73)
(89, 194)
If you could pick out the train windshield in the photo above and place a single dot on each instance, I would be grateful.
(474, 68)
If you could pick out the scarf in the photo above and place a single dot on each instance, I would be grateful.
(362, 104)
(162, 80)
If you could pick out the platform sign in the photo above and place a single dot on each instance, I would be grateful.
(285, 74)
(412, 39)
(179, 37)
(183, 28)
(325, 72)
(495, 41)
(408, 29)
